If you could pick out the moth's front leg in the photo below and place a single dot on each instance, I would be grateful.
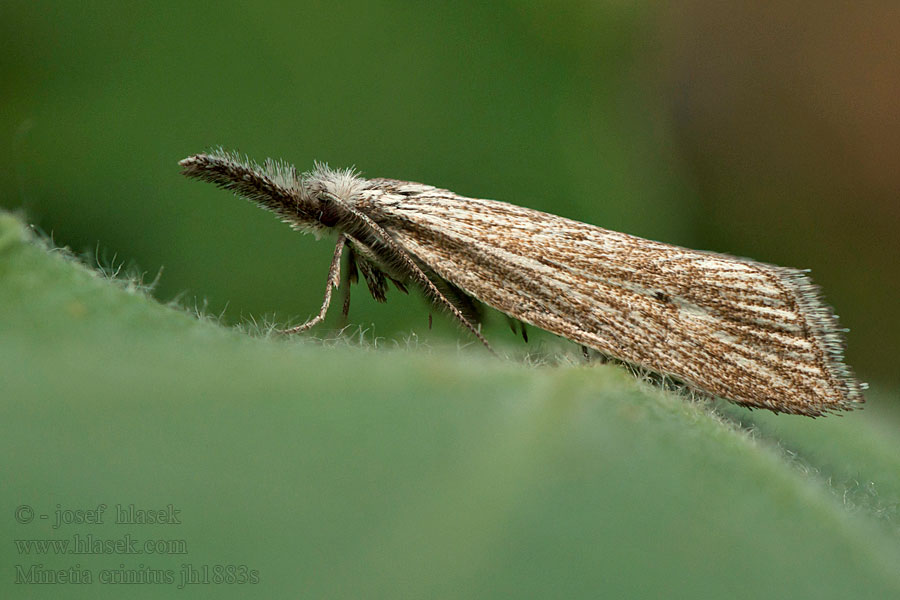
(334, 279)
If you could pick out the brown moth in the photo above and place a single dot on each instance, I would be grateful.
(756, 334)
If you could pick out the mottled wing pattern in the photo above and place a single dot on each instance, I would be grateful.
(754, 333)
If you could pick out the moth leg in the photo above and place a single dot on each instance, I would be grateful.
(361, 225)
(345, 309)
(334, 279)
(512, 325)
(375, 280)
(349, 277)
(518, 327)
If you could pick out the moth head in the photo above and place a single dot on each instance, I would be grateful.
(326, 189)
(307, 202)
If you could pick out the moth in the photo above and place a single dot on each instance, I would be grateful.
(756, 334)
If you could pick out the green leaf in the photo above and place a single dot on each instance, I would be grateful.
(341, 471)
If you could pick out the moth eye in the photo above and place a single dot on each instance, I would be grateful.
(328, 217)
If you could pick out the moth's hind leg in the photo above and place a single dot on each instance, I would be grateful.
(468, 306)
(334, 279)
(518, 327)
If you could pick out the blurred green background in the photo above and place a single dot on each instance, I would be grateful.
(345, 471)
(768, 132)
